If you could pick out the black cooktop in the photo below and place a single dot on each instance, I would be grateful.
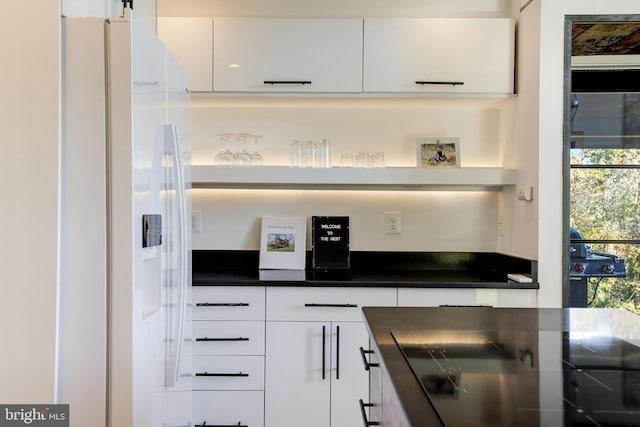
(525, 376)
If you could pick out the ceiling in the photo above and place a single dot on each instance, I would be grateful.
(605, 38)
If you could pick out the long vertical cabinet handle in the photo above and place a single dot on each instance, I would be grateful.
(337, 352)
(324, 330)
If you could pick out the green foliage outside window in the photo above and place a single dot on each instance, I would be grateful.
(605, 204)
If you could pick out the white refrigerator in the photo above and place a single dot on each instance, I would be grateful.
(125, 255)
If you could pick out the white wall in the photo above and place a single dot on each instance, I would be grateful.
(29, 135)
(431, 221)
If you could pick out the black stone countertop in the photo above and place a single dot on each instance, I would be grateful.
(369, 269)
(547, 367)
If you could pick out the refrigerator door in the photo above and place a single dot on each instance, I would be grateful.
(149, 243)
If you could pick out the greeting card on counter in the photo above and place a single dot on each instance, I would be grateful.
(283, 243)
(330, 242)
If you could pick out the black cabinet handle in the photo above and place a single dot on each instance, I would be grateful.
(220, 374)
(222, 304)
(287, 82)
(332, 305)
(221, 339)
(323, 349)
(367, 365)
(337, 352)
(204, 424)
(364, 414)
(427, 82)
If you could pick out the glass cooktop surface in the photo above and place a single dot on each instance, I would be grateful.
(539, 370)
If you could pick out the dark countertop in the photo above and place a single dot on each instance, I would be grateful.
(369, 269)
(556, 367)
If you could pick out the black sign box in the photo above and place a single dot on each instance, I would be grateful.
(330, 242)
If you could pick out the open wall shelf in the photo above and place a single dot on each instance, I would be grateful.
(282, 177)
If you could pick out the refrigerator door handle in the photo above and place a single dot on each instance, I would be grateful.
(173, 361)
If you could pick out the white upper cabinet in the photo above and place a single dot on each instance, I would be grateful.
(442, 55)
(190, 41)
(287, 55)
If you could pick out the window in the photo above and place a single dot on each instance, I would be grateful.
(604, 188)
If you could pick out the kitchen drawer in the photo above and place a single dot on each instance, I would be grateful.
(408, 297)
(228, 303)
(225, 337)
(324, 304)
(491, 297)
(228, 372)
(228, 408)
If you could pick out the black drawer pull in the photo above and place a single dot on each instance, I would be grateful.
(220, 374)
(204, 424)
(221, 339)
(222, 304)
(333, 305)
(422, 83)
(367, 365)
(364, 414)
(287, 82)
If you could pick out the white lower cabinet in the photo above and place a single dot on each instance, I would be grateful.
(314, 375)
(228, 408)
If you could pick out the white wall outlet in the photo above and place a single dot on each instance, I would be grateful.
(196, 221)
(525, 193)
(393, 223)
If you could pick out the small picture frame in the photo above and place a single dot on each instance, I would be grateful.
(283, 243)
(435, 152)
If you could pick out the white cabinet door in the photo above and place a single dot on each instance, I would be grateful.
(297, 380)
(349, 379)
(190, 41)
(466, 55)
(287, 55)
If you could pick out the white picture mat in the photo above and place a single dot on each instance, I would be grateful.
(283, 243)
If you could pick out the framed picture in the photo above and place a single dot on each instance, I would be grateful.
(283, 243)
(438, 152)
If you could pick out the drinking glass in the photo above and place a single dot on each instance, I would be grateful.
(322, 153)
(256, 157)
(347, 160)
(362, 159)
(377, 160)
(225, 156)
(295, 154)
(242, 155)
